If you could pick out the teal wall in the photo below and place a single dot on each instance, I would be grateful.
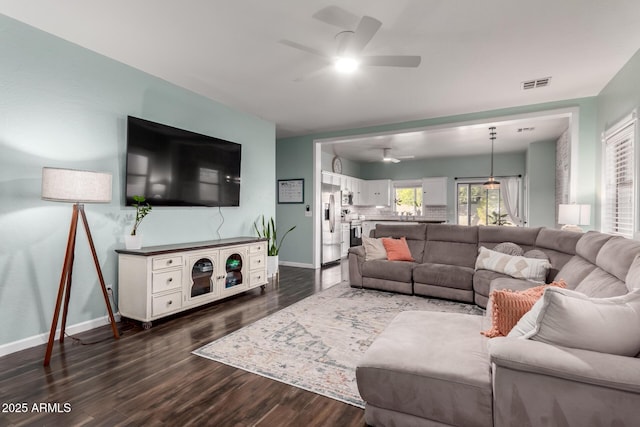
(451, 167)
(64, 106)
(299, 248)
(541, 174)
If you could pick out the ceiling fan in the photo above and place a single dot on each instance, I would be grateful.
(352, 42)
(387, 157)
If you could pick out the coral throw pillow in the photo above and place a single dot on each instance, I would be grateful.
(507, 307)
(397, 249)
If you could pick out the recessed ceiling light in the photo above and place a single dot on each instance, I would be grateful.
(346, 64)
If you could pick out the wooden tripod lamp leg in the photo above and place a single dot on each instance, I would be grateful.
(112, 319)
(64, 278)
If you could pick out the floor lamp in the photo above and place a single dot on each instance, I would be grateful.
(77, 187)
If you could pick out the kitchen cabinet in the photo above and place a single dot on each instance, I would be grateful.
(434, 191)
(364, 193)
(378, 192)
(358, 191)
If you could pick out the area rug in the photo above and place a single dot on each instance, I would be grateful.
(315, 344)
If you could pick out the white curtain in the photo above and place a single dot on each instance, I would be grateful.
(510, 190)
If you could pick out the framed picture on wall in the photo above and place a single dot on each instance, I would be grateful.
(291, 190)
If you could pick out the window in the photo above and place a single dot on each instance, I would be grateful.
(478, 206)
(407, 197)
(619, 175)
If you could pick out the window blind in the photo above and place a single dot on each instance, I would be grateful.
(618, 216)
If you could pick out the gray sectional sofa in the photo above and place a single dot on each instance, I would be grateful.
(436, 369)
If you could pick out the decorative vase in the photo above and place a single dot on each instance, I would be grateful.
(133, 242)
(272, 265)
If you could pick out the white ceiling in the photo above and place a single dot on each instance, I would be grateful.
(475, 54)
(512, 135)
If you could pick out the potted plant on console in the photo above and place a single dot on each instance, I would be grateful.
(134, 239)
(268, 231)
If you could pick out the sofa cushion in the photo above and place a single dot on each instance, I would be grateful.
(558, 240)
(571, 319)
(373, 248)
(450, 276)
(600, 284)
(397, 249)
(490, 236)
(397, 271)
(575, 271)
(451, 244)
(590, 244)
(514, 266)
(430, 365)
(508, 306)
(616, 256)
(482, 281)
(633, 275)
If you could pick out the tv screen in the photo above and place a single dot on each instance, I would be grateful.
(175, 167)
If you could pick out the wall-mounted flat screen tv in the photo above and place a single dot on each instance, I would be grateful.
(175, 167)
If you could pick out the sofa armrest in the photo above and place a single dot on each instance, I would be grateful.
(356, 258)
(581, 366)
(358, 250)
(538, 384)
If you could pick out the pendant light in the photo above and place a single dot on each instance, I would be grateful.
(492, 184)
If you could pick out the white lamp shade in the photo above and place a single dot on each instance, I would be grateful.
(76, 186)
(574, 214)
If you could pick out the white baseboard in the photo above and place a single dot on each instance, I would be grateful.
(295, 264)
(37, 340)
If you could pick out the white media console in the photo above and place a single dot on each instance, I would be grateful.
(158, 281)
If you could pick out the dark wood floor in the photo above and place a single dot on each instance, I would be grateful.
(149, 377)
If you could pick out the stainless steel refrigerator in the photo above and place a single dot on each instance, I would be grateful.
(331, 229)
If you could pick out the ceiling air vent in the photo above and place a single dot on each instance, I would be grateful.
(536, 83)
(529, 129)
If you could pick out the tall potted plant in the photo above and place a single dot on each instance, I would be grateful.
(134, 240)
(267, 230)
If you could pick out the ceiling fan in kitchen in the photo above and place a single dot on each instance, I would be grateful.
(352, 42)
(388, 157)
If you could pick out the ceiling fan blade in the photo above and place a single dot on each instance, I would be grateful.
(312, 75)
(334, 15)
(303, 48)
(366, 29)
(392, 61)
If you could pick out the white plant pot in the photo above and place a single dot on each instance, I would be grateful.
(272, 265)
(133, 242)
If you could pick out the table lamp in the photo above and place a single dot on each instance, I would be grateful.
(573, 215)
(77, 187)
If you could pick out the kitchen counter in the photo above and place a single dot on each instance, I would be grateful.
(421, 220)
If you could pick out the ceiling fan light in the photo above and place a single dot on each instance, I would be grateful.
(345, 64)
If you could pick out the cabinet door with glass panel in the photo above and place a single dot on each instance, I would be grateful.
(203, 276)
(234, 263)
